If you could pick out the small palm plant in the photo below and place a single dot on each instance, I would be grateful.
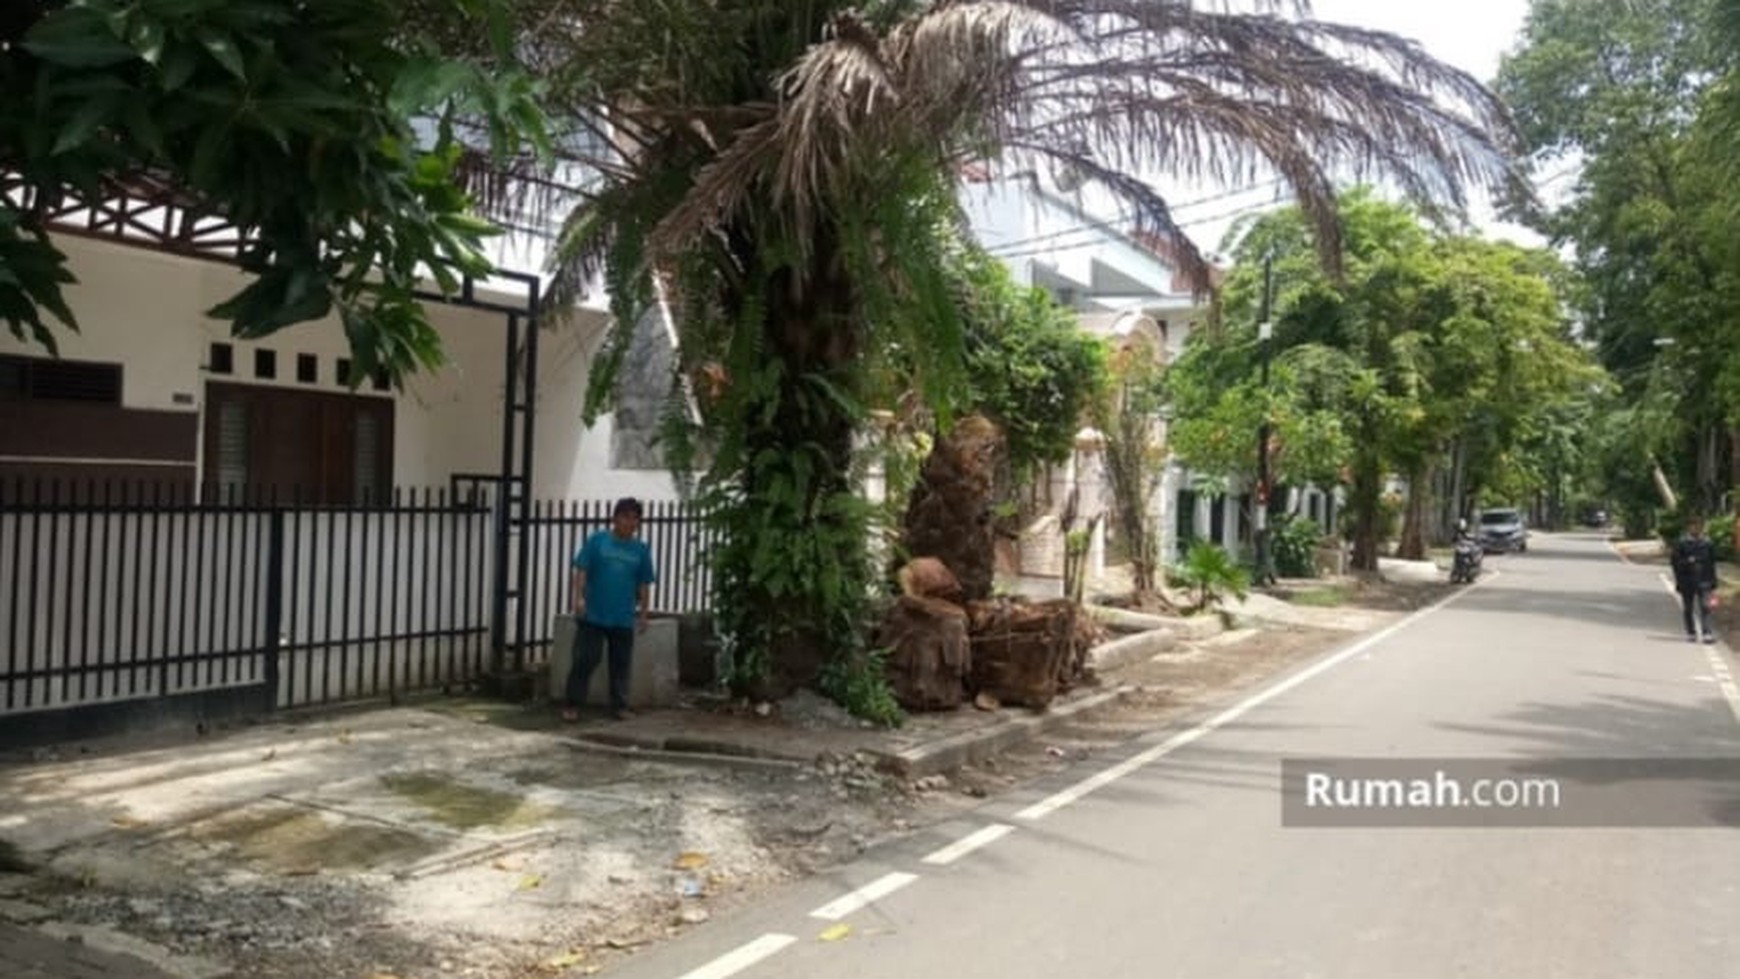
(1213, 574)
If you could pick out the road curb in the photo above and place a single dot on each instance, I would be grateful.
(968, 747)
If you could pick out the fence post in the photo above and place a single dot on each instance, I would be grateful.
(274, 603)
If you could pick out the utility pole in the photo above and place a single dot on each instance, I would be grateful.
(1265, 331)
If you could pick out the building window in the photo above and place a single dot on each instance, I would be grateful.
(230, 461)
(1185, 529)
(41, 379)
(343, 374)
(222, 359)
(295, 445)
(308, 368)
(265, 364)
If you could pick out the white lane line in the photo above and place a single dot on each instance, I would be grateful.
(967, 844)
(874, 891)
(1725, 679)
(1074, 793)
(742, 957)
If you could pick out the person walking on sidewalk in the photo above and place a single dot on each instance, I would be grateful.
(1694, 563)
(613, 577)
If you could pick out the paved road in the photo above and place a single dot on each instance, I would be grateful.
(1174, 861)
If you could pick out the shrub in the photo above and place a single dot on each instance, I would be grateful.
(1295, 543)
(1212, 573)
(1721, 531)
(860, 684)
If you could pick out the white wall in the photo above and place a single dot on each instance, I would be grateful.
(146, 310)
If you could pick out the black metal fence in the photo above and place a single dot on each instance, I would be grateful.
(680, 542)
(121, 593)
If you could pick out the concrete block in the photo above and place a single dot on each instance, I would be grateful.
(1127, 622)
(1132, 649)
(653, 678)
(1409, 572)
(697, 651)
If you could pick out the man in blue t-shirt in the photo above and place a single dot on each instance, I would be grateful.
(613, 575)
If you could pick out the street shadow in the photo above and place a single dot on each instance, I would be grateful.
(1632, 610)
(1630, 760)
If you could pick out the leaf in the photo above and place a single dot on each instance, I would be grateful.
(836, 933)
(566, 961)
(76, 38)
(690, 861)
(530, 882)
(83, 124)
(224, 50)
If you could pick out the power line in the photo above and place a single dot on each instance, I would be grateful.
(1116, 222)
(1029, 252)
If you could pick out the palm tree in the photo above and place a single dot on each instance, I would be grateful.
(785, 175)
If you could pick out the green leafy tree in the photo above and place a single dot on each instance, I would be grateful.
(1029, 366)
(1431, 352)
(294, 121)
(1641, 95)
(787, 175)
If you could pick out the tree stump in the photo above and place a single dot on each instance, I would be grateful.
(1021, 652)
(949, 514)
(928, 577)
(929, 654)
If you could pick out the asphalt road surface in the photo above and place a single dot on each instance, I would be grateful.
(1173, 859)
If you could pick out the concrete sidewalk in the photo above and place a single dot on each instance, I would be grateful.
(457, 836)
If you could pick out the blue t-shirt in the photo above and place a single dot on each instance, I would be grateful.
(615, 570)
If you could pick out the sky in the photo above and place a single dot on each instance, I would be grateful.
(1470, 34)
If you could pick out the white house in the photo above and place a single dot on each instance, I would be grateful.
(1120, 285)
(151, 388)
(137, 572)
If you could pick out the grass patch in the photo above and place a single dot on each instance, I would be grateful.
(1328, 596)
(462, 807)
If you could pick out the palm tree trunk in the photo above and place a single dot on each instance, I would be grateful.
(809, 330)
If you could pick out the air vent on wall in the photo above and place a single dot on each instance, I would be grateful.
(40, 379)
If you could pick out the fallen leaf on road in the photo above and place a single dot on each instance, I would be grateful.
(268, 756)
(625, 942)
(128, 822)
(344, 737)
(508, 865)
(531, 883)
(837, 933)
(567, 961)
(690, 861)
